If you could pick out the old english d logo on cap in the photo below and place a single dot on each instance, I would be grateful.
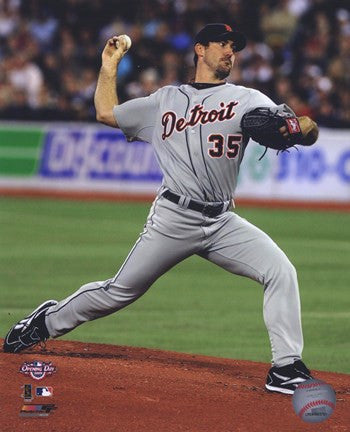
(216, 32)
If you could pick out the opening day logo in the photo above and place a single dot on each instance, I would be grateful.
(37, 369)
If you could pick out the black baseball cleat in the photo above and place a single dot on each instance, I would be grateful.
(29, 331)
(286, 379)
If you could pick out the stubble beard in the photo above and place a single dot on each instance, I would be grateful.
(223, 69)
(222, 73)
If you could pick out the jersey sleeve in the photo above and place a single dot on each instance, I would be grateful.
(136, 118)
(258, 99)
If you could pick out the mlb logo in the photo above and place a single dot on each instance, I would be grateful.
(44, 391)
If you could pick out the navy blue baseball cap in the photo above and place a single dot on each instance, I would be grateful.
(216, 32)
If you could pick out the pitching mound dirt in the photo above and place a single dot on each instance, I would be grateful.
(105, 388)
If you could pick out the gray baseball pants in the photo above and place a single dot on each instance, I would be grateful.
(173, 233)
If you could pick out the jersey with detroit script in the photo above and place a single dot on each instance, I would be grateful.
(196, 135)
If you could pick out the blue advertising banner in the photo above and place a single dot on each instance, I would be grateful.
(97, 154)
(96, 159)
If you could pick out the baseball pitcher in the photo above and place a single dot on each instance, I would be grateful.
(199, 132)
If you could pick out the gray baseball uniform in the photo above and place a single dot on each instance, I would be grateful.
(196, 134)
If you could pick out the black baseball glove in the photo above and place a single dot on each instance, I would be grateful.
(263, 126)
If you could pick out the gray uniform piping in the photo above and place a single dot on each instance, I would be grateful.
(205, 164)
(75, 297)
(188, 147)
(150, 218)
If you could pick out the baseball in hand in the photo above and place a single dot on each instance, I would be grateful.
(127, 41)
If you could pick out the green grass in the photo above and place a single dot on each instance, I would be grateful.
(50, 248)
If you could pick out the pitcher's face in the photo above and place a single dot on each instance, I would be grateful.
(219, 56)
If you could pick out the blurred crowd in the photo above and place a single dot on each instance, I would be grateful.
(298, 52)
